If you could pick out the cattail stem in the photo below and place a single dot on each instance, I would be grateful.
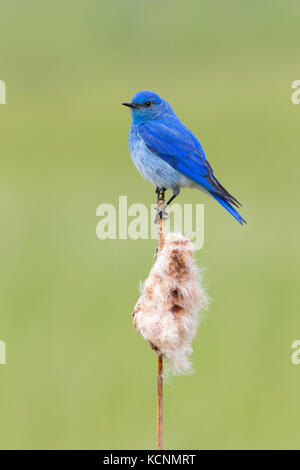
(159, 402)
(159, 247)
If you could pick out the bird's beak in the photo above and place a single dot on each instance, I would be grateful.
(130, 105)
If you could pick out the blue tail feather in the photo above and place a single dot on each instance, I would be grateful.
(230, 209)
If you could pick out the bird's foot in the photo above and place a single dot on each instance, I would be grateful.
(161, 213)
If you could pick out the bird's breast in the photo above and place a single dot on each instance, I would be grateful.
(152, 167)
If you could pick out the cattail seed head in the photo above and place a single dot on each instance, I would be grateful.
(167, 313)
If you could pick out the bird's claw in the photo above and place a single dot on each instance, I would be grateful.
(161, 214)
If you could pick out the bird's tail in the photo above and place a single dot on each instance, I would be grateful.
(229, 207)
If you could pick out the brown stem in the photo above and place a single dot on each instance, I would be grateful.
(159, 247)
(159, 402)
(161, 223)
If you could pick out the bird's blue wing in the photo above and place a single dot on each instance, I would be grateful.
(176, 145)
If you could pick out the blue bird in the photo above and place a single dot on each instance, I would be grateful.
(167, 154)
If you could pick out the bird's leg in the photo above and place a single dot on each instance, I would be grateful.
(160, 193)
(160, 197)
(175, 194)
(162, 212)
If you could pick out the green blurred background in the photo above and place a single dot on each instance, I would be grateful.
(78, 376)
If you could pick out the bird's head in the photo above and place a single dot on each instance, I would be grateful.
(146, 105)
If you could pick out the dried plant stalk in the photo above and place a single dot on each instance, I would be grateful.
(159, 247)
(167, 313)
(159, 426)
(161, 224)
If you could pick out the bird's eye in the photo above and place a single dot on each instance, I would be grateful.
(147, 103)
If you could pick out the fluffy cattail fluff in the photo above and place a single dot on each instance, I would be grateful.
(167, 313)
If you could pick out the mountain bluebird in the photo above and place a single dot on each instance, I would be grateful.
(167, 154)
